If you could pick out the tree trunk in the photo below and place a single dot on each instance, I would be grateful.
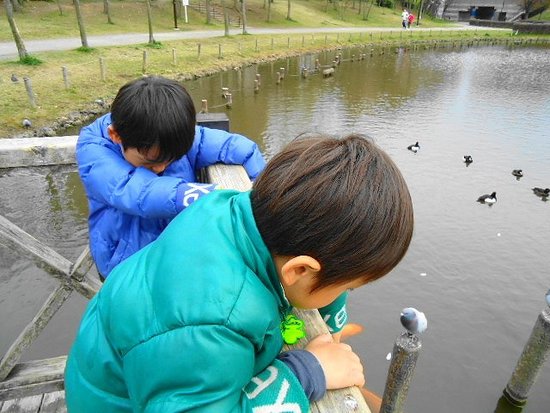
(244, 16)
(21, 50)
(225, 19)
(268, 18)
(83, 38)
(288, 12)
(17, 7)
(366, 17)
(208, 12)
(59, 7)
(150, 21)
(107, 11)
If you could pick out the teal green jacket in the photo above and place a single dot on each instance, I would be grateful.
(191, 323)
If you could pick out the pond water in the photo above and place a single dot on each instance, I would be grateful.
(478, 272)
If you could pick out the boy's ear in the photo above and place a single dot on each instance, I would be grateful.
(296, 268)
(113, 134)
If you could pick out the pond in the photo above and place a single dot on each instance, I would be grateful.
(479, 272)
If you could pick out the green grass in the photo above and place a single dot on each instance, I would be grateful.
(55, 100)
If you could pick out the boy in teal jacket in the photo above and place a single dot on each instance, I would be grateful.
(194, 322)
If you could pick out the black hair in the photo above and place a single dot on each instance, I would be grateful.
(343, 202)
(154, 111)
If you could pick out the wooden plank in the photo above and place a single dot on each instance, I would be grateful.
(58, 266)
(41, 151)
(13, 236)
(82, 264)
(235, 177)
(23, 405)
(34, 377)
(33, 329)
(54, 402)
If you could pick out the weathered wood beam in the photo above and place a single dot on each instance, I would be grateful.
(18, 152)
(34, 377)
(14, 237)
(33, 329)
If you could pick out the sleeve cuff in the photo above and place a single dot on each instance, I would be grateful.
(308, 370)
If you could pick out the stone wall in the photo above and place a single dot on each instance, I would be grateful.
(534, 27)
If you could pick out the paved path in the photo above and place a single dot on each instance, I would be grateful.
(8, 49)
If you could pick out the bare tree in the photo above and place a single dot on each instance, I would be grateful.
(225, 18)
(21, 50)
(59, 7)
(288, 11)
(268, 17)
(80, 21)
(208, 11)
(243, 12)
(107, 11)
(150, 22)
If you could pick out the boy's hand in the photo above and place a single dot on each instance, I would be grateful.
(340, 364)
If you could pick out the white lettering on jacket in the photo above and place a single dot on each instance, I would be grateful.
(194, 192)
(279, 406)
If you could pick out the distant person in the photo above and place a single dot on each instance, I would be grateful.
(405, 18)
(139, 165)
(196, 321)
(410, 20)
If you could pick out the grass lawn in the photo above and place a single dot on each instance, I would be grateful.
(176, 59)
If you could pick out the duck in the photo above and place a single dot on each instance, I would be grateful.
(14, 78)
(488, 199)
(26, 123)
(543, 193)
(518, 173)
(414, 147)
(467, 159)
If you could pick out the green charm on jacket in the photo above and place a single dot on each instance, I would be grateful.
(293, 329)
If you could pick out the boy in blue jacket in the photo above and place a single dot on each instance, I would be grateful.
(195, 321)
(139, 165)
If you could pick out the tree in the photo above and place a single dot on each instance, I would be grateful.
(268, 14)
(288, 11)
(208, 11)
(225, 19)
(21, 50)
(80, 21)
(150, 22)
(107, 11)
(244, 16)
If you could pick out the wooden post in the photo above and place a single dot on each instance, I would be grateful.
(258, 78)
(272, 43)
(326, 39)
(278, 77)
(288, 42)
(198, 51)
(102, 70)
(174, 61)
(144, 66)
(220, 55)
(240, 47)
(256, 86)
(535, 353)
(404, 356)
(65, 76)
(256, 48)
(229, 101)
(204, 106)
(303, 40)
(30, 93)
(282, 69)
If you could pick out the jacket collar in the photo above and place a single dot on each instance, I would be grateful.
(253, 249)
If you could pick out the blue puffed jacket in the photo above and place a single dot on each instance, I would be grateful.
(128, 206)
(190, 323)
